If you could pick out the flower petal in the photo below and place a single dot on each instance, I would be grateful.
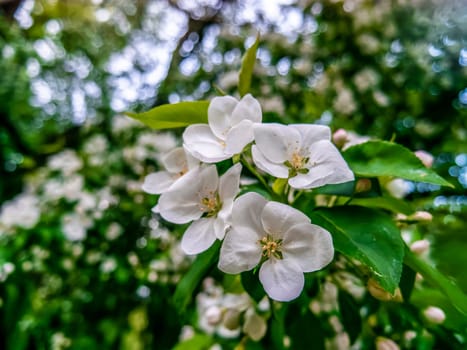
(229, 183)
(178, 207)
(282, 280)
(181, 203)
(219, 115)
(208, 180)
(247, 108)
(326, 167)
(309, 246)
(228, 188)
(247, 211)
(277, 218)
(275, 169)
(202, 144)
(199, 236)
(175, 161)
(276, 141)
(157, 182)
(312, 133)
(239, 136)
(240, 250)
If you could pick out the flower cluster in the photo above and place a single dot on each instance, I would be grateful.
(256, 232)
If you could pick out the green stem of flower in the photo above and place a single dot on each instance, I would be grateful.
(260, 178)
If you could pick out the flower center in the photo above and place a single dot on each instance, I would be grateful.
(297, 164)
(210, 204)
(271, 247)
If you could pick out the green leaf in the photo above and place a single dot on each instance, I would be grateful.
(343, 189)
(305, 330)
(367, 235)
(407, 282)
(423, 298)
(389, 203)
(246, 70)
(197, 342)
(383, 158)
(457, 298)
(174, 115)
(351, 319)
(188, 284)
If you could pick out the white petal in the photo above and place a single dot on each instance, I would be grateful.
(276, 141)
(310, 246)
(175, 161)
(247, 211)
(240, 250)
(275, 169)
(239, 136)
(229, 183)
(191, 161)
(208, 180)
(202, 144)
(219, 115)
(326, 167)
(178, 207)
(312, 133)
(228, 188)
(199, 236)
(181, 203)
(277, 218)
(247, 108)
(282, 280)
(157, 182)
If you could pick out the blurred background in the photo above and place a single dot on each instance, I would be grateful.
(83, 264)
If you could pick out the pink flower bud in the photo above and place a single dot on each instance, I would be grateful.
(434, 314)
(422, 216)
(425, 157)
(340, 137)
(420, 247)
(383, 343)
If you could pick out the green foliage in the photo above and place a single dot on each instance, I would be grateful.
(174, 115)
(187, 286)
(382, 158)
(366, 235)
(246, 70)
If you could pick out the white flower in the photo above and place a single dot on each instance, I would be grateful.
(22, 211)
(281, 237)
(229, 129)
(202, 196)
(177, 163)
(303, 153)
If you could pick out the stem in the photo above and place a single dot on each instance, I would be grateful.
(261, 179)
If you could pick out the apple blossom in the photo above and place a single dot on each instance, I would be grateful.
(279, 237)
(302, 153)
(177, 163)
(228, 131)
(204, 198)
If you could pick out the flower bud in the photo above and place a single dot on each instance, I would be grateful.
(340, 137)
(434, 314)
(255, 326)
(231, 319)
(420, 247)
(421, 216)
(381, 294)
(363, 185)
(383, 343)
(425, 157)
(213, 315)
